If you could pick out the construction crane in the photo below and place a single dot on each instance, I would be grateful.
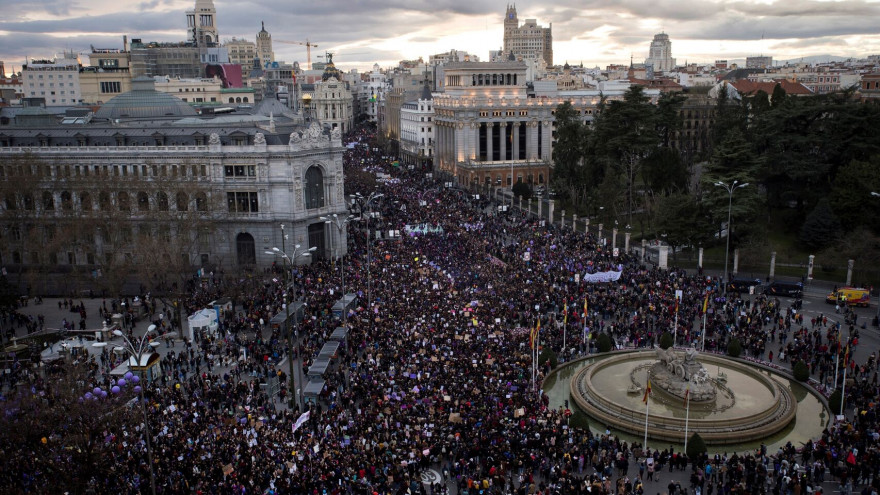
(306, 44)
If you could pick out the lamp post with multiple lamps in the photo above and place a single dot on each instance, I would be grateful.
(729, 188)
(368, 203)
(290, 260)
(138, 349)
(340, 225)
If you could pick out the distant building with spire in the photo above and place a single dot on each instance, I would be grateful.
(528, 41)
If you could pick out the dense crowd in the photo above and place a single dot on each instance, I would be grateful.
(435, 375)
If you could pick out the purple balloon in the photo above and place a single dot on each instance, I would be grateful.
(115, 389)
(103, 394)
(96, 390)
(121, 382)
(137, 389)
(243, 420)
(129, 375)
(89, 395)
(135, 379)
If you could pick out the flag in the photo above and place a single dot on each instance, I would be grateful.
(565, 314)
(585, 307)
(533, 340)
(846, 357)
(687, 392)
(302, 419)
(706, 303)
(647, 392)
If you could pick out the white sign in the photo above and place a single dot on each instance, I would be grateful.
(678, 294)
(527, 256)
(609, 276)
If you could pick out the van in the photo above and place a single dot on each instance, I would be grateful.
(741, 285)
(785, 289)
(853, 296)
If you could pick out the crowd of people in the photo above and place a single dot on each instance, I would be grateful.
(435, 375)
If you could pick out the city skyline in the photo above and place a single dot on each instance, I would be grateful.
(366, 32)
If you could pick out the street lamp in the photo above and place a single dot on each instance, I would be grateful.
(340, 227)
(729, 188)
(290, 337)
(368, 202)
(137, 349)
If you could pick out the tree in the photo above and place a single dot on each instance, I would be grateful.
(850, 196)
(603, 342)
(666, 340)
(522, 190)
(696, 446)
(572, 174)
(821, 227)
(834, 401)
(732, 160)
(548, 355)
(800, 371)
(734, 348)
(682, 221)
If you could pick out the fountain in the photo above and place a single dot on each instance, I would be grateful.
(739, 404)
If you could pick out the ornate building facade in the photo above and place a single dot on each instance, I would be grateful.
(86, 198)
(660, 54)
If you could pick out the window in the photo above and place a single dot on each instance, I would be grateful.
(314, 188)
(240, 171)
(85, 201)
(124, 201)
(182, 201)
(242, 202)
(110, 87)
(143, 201)
(48, 201)
(201, 202)
(162, 201)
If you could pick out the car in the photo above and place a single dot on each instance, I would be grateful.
(853, 296)
(741, 285)
(785, 289)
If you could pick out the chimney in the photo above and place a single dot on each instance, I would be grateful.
(124, 43)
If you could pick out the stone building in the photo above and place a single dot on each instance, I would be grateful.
(80, 199)
(660, 54)
(528, 41)
(417, 129)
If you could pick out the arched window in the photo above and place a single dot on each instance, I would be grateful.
(314, 188)
(104, 200)
(182, 201)
(162, 201)
(123, 200)
(201, 202)
(244, 100)
(231, 100)
(245, 248)
(85, 201)
(143, 201)
(28, 200)
(66, 201)
(48, 201)
(238, 100)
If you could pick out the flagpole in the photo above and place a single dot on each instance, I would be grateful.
(687, 415)
(675, 329)
(837, 361)
(645, 443)
(843, 385)
(703, 343)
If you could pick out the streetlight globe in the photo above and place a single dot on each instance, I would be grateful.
(744, 184)
(296, 246)
(117, 333)
(276, 249)
(311, 249)
(155, 344)
(334, 215)
(151, 328)
(270, 252)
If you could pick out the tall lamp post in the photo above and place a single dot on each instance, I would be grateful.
(368, 203)
(290, 260)
(138, 349)
(340, 225)
(729, 188)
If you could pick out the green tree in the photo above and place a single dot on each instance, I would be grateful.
(821, 227)
(732, 160)
(834, 402)
(603, 342)
(734, 348)
(778, 97)
(666, 340)
(572, 174)
(800, 371)
(681, 221)
(696, 446)
(548, 355)
(522, 190)
(850, 196)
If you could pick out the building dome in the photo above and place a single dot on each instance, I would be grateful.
(330, 70)
(143, 101)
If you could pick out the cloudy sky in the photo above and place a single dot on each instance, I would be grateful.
(362, 32)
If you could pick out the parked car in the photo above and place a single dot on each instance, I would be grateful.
(741, 285)
(785, 289)
(852, 296)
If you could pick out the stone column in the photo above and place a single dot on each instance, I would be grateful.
(520, 203)
(599, 235)
(663, 257)
(550, 211)
(644, 249)
(812, 259)
(700, 259)
(530, 206)
(735, 261)
(515, 140)
(614, 238)
(773, 264)
(849, 269)
(540, 208)
(562, 221)
(626, 241)
(574, 222)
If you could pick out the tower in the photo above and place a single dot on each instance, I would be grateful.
(201, 24)
(264, 45)
(660, 53)
(511, 24)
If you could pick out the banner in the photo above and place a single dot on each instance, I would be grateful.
(302, 419)
(602, 277)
